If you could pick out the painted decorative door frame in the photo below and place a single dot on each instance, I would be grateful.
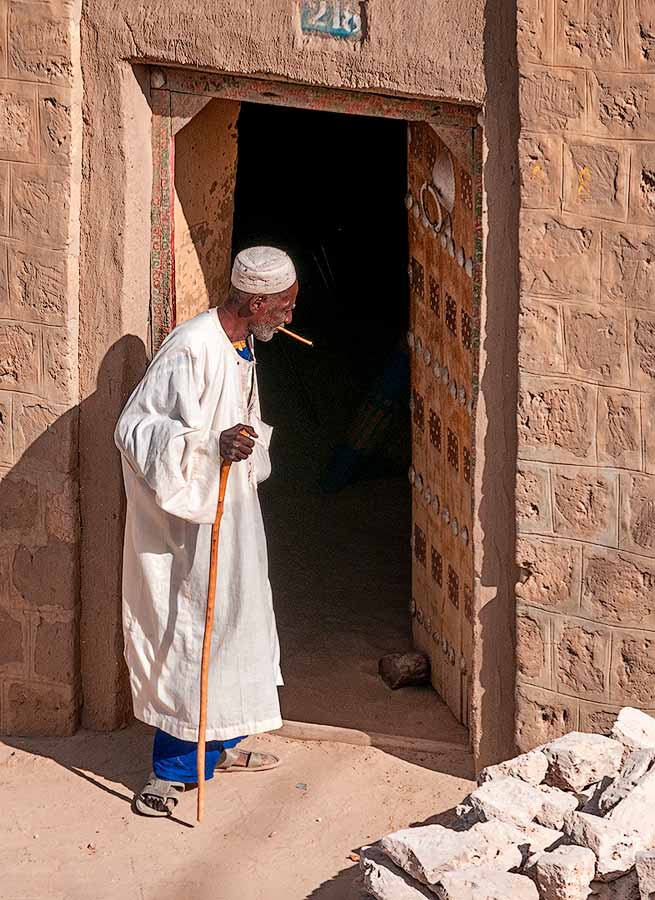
(165, 83)
(162, 231)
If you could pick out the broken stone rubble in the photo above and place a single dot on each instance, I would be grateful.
(538, 838)
(634, 729)
(386, 881)
(636, 812)
(645, 865)
(565, 873)
(634, 768)
(429, 851)
(530, 767)
(624, 888)
(513, 800)
(556, 804)
(578, 760)
(481, 883)
(567, 821)
(614, 848)
(507, 799)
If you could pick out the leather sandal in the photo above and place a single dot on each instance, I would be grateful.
(254, 761)
(158, 797)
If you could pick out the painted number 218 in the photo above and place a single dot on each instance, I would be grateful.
(331, 16)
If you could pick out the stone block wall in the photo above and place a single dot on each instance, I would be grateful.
(586, 473)
(40, 144)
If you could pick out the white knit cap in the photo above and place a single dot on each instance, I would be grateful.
(263, 270)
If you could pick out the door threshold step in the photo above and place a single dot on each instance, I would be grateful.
(308, 731)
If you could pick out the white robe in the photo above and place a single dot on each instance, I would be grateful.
(168, 434)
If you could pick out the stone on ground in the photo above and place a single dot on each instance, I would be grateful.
(481, 883)
(508, 799)
(568, 821)
(428, 852)
(565, 873)
(539, 840)
(385, 881)
(530, 767)
(646, 874)
(578, 760)
(403, 669)
(532, 840)
(424, 852)
(633, 770)
(624, 888)
(506, 845)
(634, 729)
(615, 849)
(637, 811)
(536, 840)
(556, 804)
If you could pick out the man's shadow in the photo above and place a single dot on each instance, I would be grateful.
(120, 758)
(40, 558)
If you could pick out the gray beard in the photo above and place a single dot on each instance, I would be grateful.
(263, 332)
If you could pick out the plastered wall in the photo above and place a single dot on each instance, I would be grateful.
(71, 349)
(586, 478)
(40, 139)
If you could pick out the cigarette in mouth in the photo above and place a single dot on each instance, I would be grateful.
(296, 337)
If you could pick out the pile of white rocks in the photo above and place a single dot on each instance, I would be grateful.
(570, 820)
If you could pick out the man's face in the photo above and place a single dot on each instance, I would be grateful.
(271, 311)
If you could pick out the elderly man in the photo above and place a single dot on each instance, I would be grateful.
(198, 404)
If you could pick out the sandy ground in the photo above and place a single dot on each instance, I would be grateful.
(286, 834)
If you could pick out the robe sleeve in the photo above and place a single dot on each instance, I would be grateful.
(166, 441)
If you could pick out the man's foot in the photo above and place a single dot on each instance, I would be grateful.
(158, 797)
(234, 760)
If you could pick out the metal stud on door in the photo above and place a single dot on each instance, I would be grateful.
(444, 262)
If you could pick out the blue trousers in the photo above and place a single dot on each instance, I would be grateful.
(177, 760)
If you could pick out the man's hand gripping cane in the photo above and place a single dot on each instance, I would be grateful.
(237, 443)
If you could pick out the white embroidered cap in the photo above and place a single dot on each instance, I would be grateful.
(263, 270)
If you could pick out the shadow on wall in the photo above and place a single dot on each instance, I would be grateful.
(40, 610)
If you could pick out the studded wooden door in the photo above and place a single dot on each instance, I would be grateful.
(444, 274)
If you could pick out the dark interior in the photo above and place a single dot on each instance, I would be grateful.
(329, 189)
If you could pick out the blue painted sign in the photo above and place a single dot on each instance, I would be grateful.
(336, 18)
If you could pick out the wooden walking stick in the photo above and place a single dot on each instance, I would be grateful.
(207, 639)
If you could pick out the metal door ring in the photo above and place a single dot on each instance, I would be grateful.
(436, 225)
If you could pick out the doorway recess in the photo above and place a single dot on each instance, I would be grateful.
(350, 581)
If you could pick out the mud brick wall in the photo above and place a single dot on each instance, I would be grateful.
(586, 472)
(40, 141)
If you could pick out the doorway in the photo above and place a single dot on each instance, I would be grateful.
(343, 520)
(330, 189)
